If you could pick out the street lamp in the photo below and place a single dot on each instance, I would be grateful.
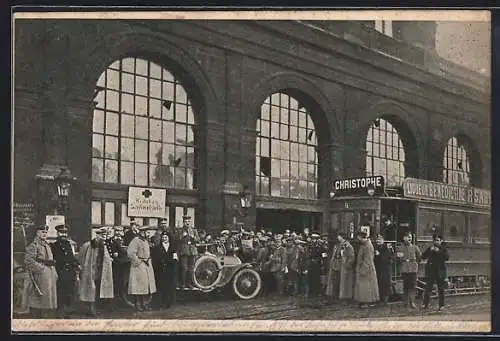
(63, 181)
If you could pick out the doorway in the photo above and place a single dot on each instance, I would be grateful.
(277, 221)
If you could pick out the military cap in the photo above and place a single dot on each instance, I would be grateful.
(61, 228)
(315, 235)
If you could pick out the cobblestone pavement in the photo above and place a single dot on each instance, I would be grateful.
(198, 306)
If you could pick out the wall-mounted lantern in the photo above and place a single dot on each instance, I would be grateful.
(64, 181)
(245, 200)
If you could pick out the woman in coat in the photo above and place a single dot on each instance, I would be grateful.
(366, 286)
(141, 282)
(165, 259)
(341, 272)
(40, 264)
(384, 257)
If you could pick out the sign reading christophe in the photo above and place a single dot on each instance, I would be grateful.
(146, 202)
(361, 185)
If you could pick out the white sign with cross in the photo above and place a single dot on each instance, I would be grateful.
(146, 202)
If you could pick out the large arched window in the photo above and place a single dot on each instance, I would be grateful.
(385, 152)
(456, 163)
(143, 127)
(287, 158)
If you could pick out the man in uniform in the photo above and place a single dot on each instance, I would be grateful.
(40, 264)
(120, 265)
(131, 233)
(408, 256)
(315, 264)
(188, 253)
(67, 268)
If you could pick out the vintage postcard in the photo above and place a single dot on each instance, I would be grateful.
(251, 171)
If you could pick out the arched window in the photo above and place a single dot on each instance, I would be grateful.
(143, 127)
(456, 163)
(287, 158)
(385, 152)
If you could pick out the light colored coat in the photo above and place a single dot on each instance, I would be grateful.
(343, 261)
(45, 277)
(366, 285)
(408, 256)
(142, 276)
(87, 289)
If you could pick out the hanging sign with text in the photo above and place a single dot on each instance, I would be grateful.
(359, 186)
(437, 191)
(146, 202)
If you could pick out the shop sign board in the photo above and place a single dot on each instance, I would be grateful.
(359, 186)
(446, 193)
(146, 202)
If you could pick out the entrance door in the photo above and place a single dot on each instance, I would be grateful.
(278, 221)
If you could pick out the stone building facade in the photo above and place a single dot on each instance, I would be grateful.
(345, 74)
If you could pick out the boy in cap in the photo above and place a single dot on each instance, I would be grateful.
(67, 268)
(40, 264)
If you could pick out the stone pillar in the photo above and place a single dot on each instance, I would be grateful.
(213, 169)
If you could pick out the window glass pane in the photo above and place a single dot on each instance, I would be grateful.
(112, 79)
(180, 113)
(180, 177)
(190, 157)
(99, 99)
(101, 82)
(264, 111)
(180, 156)
(264, 147)
(141, 151)
(155, 107)
(109, 213)
(284, 150)
(285, 188)
(311, 173)
(111, 123)
(302, 119)
(179, 212)
(429, 221)
(161, 175)
(111, 147)
(302, 152)
(480, 225)
(302, 171)
(275, 149)
(180, 132)
(141, 106)
(168, 132)
(141, 174)
(168, 91)
(141, 86)
(294, 151)
(96, 213)
(180, 94)
(126, 172)
(98, 145)
(275, 113)
(154, 70)
(302, 192)
(190, 212)
(155, 153)
(275, 130)
(284, 119)
(284, 132)
(127, 83)
(454, 223)
(190, 115)
(111, 171)
(190, 136)
(275, 187)
(97, 170)
(285, 169)
(302, 135)
(112, 100)
(127, 149)
(168, 154)
(189, 178)
(98, 122)
(141, 67)
(141, 127)
(155, 88)
(265, 128)
(155, 130)
(127, 126)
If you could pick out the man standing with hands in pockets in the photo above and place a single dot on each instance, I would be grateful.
(435, 270)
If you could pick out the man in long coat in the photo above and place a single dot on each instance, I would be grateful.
(384, 257)
(141, 279)
(67, 268)
(340, 281)
(365, 285)
(39, 261)
(187, 252)
(96, 275)
(435, 270)
(408, 257)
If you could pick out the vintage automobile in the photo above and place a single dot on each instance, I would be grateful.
(213, 271)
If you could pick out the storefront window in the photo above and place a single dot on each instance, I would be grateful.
(454, 226)
(287, 158)
(480, 228)
(385, 152)
(143, 127)
(430, 221)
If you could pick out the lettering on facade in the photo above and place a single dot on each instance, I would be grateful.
(359, 185)
(146, 202)
(430, 190)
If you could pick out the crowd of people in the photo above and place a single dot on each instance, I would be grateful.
(150, 264)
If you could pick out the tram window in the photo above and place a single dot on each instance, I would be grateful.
(454, 226)
(480, 228)
(430, 222)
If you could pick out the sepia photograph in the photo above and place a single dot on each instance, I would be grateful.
(251, 171)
